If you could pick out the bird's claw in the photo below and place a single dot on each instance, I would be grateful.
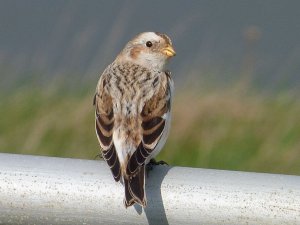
(154, 162)
(98, 156)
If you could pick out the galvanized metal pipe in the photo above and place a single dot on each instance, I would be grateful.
(45, 190)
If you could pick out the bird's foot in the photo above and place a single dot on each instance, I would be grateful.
(154, 162)
(98, 156)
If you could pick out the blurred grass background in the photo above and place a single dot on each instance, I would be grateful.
(223, 129)
(236, 104)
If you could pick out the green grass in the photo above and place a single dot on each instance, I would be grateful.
(217, 129)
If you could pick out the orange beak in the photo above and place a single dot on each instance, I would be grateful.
(169, 51)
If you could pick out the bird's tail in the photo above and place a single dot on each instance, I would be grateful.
(135, 189)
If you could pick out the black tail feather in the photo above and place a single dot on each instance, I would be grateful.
(135, 189)
(129, 200)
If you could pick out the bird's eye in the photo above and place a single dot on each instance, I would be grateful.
(149, 44)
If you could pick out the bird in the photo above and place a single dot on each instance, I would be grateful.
(133, 110)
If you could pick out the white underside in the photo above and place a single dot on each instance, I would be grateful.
(123, 149)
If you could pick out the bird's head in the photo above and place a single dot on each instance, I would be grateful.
(148, 49)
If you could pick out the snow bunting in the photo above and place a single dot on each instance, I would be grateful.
(132, 102)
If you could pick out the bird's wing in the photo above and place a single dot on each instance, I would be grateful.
(104, 123)
(155, 116)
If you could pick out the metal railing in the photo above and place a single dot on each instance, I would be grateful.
(45, 190)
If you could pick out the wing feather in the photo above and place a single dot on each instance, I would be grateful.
(104, 125)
